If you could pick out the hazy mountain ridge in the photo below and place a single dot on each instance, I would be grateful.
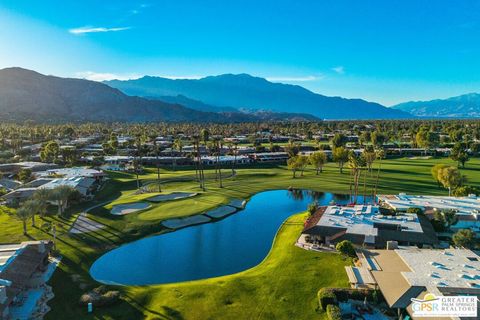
(243, 91)
(26, 94)
(463, 106)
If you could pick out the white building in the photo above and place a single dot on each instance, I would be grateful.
(467, 209)
(410, 273)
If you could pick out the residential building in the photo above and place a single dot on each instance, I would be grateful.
(363, 225)
(24, 271)
(409, 273)
(467, 209)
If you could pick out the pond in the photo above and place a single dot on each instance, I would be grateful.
(228, 246)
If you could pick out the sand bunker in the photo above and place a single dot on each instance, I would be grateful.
(185, 222)
(238, 203)
(122, 209)
(172, 196)
(84, 224)
(221, 212)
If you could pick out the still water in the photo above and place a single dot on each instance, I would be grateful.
(231, 245)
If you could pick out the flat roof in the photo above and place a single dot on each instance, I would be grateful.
(361, 219)
(409, 271)
(453, 268)
(463, 205)
(389, 279)
(71, 172)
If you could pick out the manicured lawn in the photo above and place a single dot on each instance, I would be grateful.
(283, 286)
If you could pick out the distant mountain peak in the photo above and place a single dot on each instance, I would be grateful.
(244, 91)
(462, 106)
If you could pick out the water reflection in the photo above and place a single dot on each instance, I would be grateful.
(231, 245)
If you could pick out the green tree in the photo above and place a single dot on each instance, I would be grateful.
(292, 148)
(25, 175)
(23, 214)
(303, 163)
(294, 164)
(61, 195)
(50, 151)
(427, 139)
(464, 238)
(205, 136)
(364, 138)
(338, 140)
(178, 146)
(312, 208)
(378, 139)
(464, 191)
(42, 195)
(34, 206)
(459, 153)
(450, 178)
(369, 157)
(346, 247)
(340, 156)
(435, 170)
(318, 160)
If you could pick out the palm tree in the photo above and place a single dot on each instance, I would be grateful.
(235, 152)
(177, 145)
(201, 176)
(217, 148)
(33, 206)
(354, 165)
(138, 160)
(380, 155)
(24, 213)
(42, 195)
(61, 194)
(157, 151)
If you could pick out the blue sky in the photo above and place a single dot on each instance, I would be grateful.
(384, 51)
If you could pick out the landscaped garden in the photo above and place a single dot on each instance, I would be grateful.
(283, 286)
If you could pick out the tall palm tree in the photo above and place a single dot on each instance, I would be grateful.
(201, 175)
(217, 149)
(33, 206)
(157, 151)
(24, 213)
(380, 156)
(235, 153)
(61, 194)
(177, 145)
(354, 165)
(42, 195)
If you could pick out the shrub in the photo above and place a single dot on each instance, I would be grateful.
(346, 248)
(100, 297)
(464, 191)
(464, 238)
(312, 208)
(326, 297)
(333, 312)
(415, 210)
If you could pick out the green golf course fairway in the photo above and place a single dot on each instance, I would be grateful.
(283, 286)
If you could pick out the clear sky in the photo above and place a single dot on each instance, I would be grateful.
(384, 51)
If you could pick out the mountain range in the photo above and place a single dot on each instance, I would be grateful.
(26, 94)
(463, 106)
(247, 93)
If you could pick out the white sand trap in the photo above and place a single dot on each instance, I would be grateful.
(238, 203)
(172, 196)
(221, 212)
(185, 222)
(122, 209)
(84, 224)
